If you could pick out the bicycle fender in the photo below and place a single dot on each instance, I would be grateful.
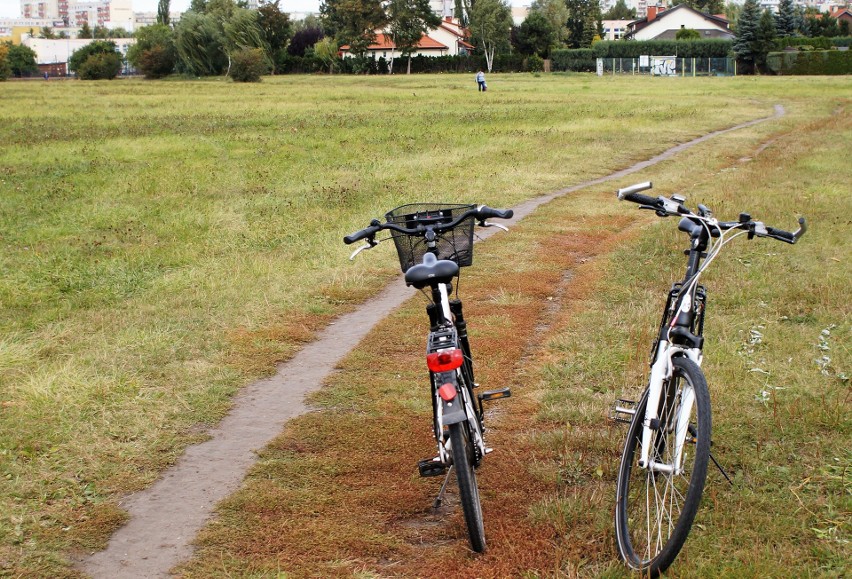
(453, 411)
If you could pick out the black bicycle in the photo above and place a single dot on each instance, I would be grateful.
(664, 462)
(433, 242)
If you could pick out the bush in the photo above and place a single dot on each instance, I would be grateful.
(286, 63)
(814, 62)
(107, 65)
(156, 62)
(248, 65)
(100, 66)
(535, 63)
(820, 43)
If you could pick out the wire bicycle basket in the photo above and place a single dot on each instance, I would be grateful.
(455, 244)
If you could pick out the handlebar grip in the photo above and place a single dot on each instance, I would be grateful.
(486, 212)
(641, 199)
(625, 191)
(366, 232)
(780, 233)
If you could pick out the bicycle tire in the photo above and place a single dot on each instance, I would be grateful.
(652, 520)
(463, 460)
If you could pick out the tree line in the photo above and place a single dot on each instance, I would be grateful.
(224, 37)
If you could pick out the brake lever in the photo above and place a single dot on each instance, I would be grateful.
(486, 224)
(371, 243)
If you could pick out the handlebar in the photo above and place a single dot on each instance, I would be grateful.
(480, 213)
(664, 207)
(374, 228)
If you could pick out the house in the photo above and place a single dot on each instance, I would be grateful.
(664, 25)
(448, 39)
(843, 15)
(614, 29)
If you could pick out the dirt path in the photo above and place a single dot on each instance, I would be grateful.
(165, 518)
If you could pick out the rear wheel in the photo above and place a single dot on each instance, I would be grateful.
(463, 460)
(654, 509)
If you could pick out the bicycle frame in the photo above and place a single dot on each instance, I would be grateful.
(448, 331)
(684, 310)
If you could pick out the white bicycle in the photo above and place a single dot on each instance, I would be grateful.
(664, 462)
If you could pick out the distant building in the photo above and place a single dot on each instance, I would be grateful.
(73, 13)
(665, 24)
(614, 29)
(448, 39)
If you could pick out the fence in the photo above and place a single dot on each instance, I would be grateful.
(667, 66)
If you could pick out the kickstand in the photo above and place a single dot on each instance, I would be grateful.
(719, 466)
(440, 498)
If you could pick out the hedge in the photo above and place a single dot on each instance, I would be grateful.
(709, 48)
(578, 60)
(820, 42)
(810, 62)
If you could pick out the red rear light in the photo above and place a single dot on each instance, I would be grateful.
(445, 360)
(447, 391)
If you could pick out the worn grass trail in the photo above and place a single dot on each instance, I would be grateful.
(569, 327)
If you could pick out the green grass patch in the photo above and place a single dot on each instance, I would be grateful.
(165, 243)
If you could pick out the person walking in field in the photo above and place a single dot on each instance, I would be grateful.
(480, 79)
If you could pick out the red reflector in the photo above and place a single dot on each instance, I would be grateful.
(445, 360)
(447, 391)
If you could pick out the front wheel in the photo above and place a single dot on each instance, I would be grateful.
(463, 460)
(655, 507)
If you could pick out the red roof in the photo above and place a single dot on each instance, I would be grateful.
(384, 42)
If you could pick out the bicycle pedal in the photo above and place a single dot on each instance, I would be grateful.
(431, 467)
(495, 394)
(623, 410)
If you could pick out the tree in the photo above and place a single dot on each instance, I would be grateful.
(620, 11)
(154, 53)
(461, 11)
(765, 38)
(747, 43)
(581, 14)
(490, 23)
(199, 41)
(163, 12)
(47, 32)
(785, 20)
(85, 31)
(732, 13)
(536, 35)
(408, 21)
(326, 51)
(98, 60)
(705, 6)
(275, 26)
(243, 32)
(556, 13)
(353, 22)
(20, 59)
(688, 34)
(5, 69)
(304, 39)
(101, 32)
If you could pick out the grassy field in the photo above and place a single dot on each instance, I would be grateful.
(164, 243)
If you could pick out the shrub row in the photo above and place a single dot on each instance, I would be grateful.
(819, 42)
(709, 48)
(811, 62)
(419, 64)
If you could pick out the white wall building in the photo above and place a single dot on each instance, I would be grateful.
(52, 51)
(108, 13)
